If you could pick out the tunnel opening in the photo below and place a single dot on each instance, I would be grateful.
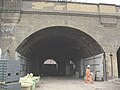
(62, 44)
(50, 68)
(118, 61)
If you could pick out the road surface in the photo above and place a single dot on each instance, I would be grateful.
(51, 83)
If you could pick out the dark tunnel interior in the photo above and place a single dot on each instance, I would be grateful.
(60, 43)
(118, 60)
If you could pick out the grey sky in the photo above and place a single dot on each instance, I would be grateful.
(117, 2)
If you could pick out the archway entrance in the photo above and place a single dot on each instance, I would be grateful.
(118, 60)
(50, 68)
(62, 44)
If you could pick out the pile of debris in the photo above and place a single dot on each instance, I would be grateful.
(115, 80)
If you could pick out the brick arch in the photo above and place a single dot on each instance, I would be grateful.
(60, 43)
(67, 33)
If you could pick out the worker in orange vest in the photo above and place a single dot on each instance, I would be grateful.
(88, 75)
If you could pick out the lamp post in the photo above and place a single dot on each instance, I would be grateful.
(111, 64)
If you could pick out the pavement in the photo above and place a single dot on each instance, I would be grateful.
(52, 83)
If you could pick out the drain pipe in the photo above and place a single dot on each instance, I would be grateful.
(104, 68)
(111, 64)
(0, 53)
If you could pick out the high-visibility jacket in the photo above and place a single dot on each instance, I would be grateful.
(88, 72)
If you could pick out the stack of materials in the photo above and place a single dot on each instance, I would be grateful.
(29, 82)
(9, 75)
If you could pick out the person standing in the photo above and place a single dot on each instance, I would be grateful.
(7, 54)
(88, 75)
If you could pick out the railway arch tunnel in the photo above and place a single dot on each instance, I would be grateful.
(63, 45)
(93, 26)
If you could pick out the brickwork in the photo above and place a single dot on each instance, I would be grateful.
(105, 29)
